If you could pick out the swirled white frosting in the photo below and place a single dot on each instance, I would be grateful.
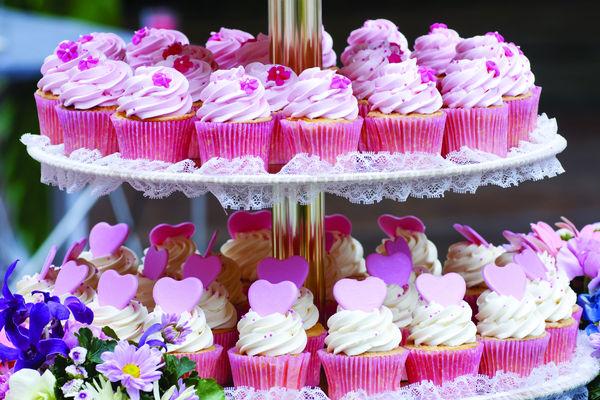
(127, 323)
(30, 283)
(354, 332)
(272, 335)
(423, 251)
(554, 298)
(401, 301)
(505, 317)
(247, 249)
(467, 259)
(344, 260)
(306, 309)
(436, 325)
(124, 261)
(220, 313)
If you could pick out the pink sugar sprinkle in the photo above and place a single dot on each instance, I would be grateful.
(491, 66)
(139, 35)
(437, 25)
(161, 79)
(339, 82)
(498, 36)
(85, 38)
(249, 85)
(87, 63)
(278, 74)
(67, 51)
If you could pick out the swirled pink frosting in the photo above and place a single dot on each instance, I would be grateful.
(486, 46)
(196, 71)
(329, 57)
(518, 78)
(233, 96)
(471, 83)
(96, 84)
(363, 68)
(148, 45)
(201, 53)
(374, 32)
(436, 49)
(278, 81)
(107, 43)
(59, 66)
(322, 94)
(405, 88)
(254, 50)
(225, 43)
(156, 92)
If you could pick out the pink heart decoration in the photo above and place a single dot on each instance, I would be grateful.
(155, 263)
(520, 240)
(211, 243)
(246, 221)
(268, 298)
(204, 268)
(392, 269)
(162, 232)
(176, 297)
(116, 290)
(338, 223)
(106, 239)
(293, 269)
(390, 223)
(69, 278)
(396, 245)
(533, 267)
(470, 234)
(548, 236)
(75, 250)
(366, 295)
(509, 280)
(446, 290)
(47, 263)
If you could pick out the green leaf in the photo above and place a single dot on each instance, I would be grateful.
(108, 331)
(85, 336)
(94, 346)
(178, 367)
(594, 389)
(209, 389)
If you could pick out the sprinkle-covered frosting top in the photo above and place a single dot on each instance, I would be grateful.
(374, 32)
(225, 44)
(518, 78)
(436, 49)
(59, 66)
(278, 81)
(107, 43)
(196, 71)
(471, 83)
(148, 44)
(329, 57)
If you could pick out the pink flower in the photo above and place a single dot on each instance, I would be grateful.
(87, 63)
(491, 66)
(249, 85)
(437, 25)
(67, 51)
(427, 74)
(85, 38)
(278, 74)
(498, 36)
(216, 36)
(139, 35)
(339, 82)
(160, 79)
(173, 50)
(183, 64)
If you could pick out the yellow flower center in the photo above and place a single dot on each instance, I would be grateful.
(132, 369)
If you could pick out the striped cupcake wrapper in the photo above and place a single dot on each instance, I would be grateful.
(206, 361)
(49, 124)
(522, 118)
(88, 129)
(520, 356)
(561, 346)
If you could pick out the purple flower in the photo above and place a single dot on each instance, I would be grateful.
(72, 327)
(427, 74)
(70, 388)
(67, 51)
(87, 63)
(84, 394)
(76, 371)
(595, 342)
(278, 74)
(135, 368)
(339, 82)
(139, 35)
(172, 331)
(180, 390)
(491, 66)
(396, 53)
(249, 85)
(85, 38)
(4, 377)
(437, 25)
(215, 36)
(160, 79)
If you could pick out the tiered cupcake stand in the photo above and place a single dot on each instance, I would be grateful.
(296, 195)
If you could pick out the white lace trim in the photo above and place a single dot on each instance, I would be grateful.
(359, 177)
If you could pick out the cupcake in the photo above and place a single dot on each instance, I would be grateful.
(476, 115)
(270, 351)
(148, 45)
(278, 81)
(372, 34)
(295, 270)
(42, 281)
(254, 50)
(225, 44)
(329, 58)
(436, 49)
(107, 43)
(322, 115)
(87, 102)
(405, 111)
(154, 268)
(511, 328)
(363, 345)
(234, 119)
(154, 119)
(185, 330)
(467, 258)
(423, 251)
(250, 241)
(116, 308)
(231, 278)
(177, 240)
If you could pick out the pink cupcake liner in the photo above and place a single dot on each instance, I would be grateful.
(206, 361)
(484, 129)
(537, 93)
(314, 344)
(227, 341)
(441, 366)
(512, 355)
(522, 118)
(363, 109)
(562, 343)
(49, 124)
(403, 134)
(193, 153)
(326, 139)
(234, 139)
(167, 140)
(405, 334)
(88, 129)
(280, 153)
(577, 314)
(264, 372)
(373, 374)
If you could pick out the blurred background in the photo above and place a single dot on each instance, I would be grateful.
(559, 37)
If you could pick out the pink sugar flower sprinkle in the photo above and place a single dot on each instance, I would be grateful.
(339, 82)
(183, 64)
(161, 79)
(508, 52)
(498, 36)
(491, 66)
(427, 74)
(139, 35)
(85, 38)
(249, 85)
(278, 74)
(67, 51)
(396, 53)
(216, 36)
(87, 63)
(437, 25)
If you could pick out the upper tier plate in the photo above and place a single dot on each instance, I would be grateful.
(361, 178)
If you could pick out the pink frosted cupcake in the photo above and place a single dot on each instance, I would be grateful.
(87, 102)
(234, 119)
(373, 33)
(148, 45)
(476, 115)
(154, 118)
(270, 352)
(107, 43)
(363, 345)
(405, 111)
(225, 44)
(436, 49)
(329, 58)
(177, 241)
(254, 50)
(511, 328)
(278, 81)
(442, 341)
(322, 117)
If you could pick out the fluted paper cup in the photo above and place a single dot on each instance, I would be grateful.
(363, 109)
(371, 373)
(327, 139)
(443, 365)
(562, 342)
(537, 94)
(88, 129)
(520, 356)
(227, 340)
(577, 312)
(313, 345)
(280, 153)
(484, 129)
(166, 139)
(405, 133)
(193, 153)
(264, 372)
(49, 123)
(522, 117)
(206, 360)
